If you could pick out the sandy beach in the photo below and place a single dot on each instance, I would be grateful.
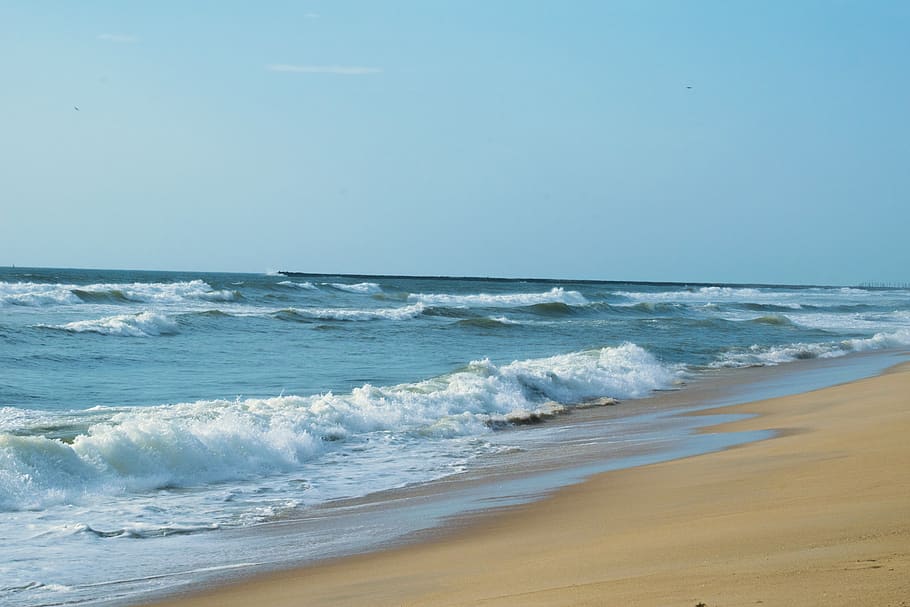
(818, 515)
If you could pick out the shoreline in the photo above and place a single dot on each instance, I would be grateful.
(462, 537)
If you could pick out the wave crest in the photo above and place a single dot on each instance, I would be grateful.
(487, 322)
(502, 300)
(299, 285)
(757, 356)
(309, 314)
(143, 324)
(139, 449)
(42, 294)
(364, 288)
(778, 320)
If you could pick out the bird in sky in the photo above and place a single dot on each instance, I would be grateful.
(76, 107)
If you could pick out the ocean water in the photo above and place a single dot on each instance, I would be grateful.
(146, 418)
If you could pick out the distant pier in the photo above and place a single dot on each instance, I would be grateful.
(883, 285)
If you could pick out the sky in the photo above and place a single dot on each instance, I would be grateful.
(727, 141)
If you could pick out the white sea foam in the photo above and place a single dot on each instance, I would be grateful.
(35, 294)
(402, 313)
(32, 586)
(865, 321)
(41, 294)
(143, 324)
(143, 530)
(504, 320)
(166, 292)
(702, 294)
(880, 341)
(484, 300)
(775, 355)
(839, 322)
(13, 417)
(300, 285)
(189, 444)
(791, 298)
(365, 288)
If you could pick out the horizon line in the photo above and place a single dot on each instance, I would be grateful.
(880, 285)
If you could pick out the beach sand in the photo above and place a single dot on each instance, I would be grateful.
(818, 515)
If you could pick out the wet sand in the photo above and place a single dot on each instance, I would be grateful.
(818, 515)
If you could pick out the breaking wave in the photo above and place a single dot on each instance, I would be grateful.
(702, 294)
(143, 324)
(556, 295)
(35, 294)
(756, 356)
(299, 285)
(755, 298)
(41, 294)
(364, 288)
(145, 448)
(307, 314)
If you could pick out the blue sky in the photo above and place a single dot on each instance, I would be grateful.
(552, 139)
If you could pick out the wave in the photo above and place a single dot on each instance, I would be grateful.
(308, 314)
(757, 299)
(444, 312)
(106, 296)
(35, 294)
(484, 300)
(778, 320)
(215, 313)
(702, 294)
(647, 308)
(146, 448)
(773, 307)
(143, 324)
(861, 322)
(365, 288)
(141, 531)
(41, 294)
(553, 308)
(299, 285)
(758, 356)
(488, 322)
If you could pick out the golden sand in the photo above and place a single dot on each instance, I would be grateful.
(819, 515)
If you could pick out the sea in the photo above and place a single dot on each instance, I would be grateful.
(162, 429)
